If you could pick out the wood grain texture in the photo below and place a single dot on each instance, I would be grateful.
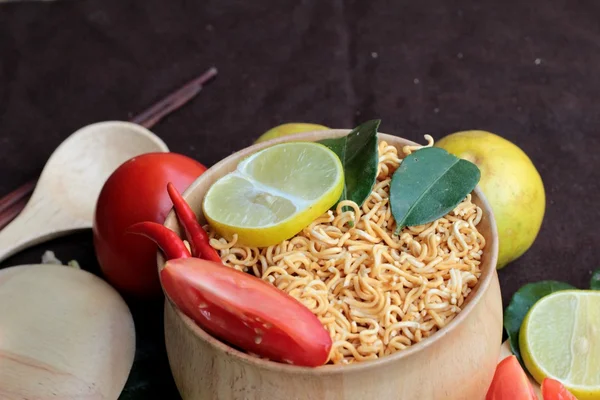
(64, 334)
(66, 193)
(456, 363)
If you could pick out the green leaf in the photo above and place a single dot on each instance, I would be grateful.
(359, 156)
(595, 283)
(520, 304)
(428, 184)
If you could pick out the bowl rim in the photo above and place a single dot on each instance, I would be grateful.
(483, 284)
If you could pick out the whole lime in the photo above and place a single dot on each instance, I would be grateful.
(511, 184)
(289, 129)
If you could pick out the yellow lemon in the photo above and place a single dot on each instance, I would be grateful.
(560, 339)
(289, 129)
(511, 184)
(275, 193)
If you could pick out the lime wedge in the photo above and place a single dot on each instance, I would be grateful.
(560, 339)
(275, 193)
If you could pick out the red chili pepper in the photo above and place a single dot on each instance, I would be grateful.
(194, 232)
(167, 240)
(236, 307)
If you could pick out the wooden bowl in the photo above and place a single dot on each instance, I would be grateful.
(458, 362)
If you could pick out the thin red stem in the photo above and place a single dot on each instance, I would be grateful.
(173, 101)
(11, 206)
(11, 212)
(16, 195)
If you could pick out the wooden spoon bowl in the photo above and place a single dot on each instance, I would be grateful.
(64, 334)
(66, 193)
(458, 362)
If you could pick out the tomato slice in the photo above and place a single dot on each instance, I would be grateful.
(246, 312)
(554, 390)
(510, 382)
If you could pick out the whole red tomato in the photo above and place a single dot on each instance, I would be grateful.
(136, 192)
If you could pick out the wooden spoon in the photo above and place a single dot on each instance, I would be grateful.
(66, 193)
(64, 334)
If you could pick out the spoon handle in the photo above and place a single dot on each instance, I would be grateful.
(38, 222)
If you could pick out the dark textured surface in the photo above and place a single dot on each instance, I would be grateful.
(524, 70)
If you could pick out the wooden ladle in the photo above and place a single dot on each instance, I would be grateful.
(64, 334)
(66, 193)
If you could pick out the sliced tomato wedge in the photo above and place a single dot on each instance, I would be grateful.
(510, 382)
(246, 312)
(554, 390)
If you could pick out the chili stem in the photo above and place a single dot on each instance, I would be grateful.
(194, 232)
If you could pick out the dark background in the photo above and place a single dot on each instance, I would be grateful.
(527, 70)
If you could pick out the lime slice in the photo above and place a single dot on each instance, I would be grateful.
(560, 339)
(275, 193)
